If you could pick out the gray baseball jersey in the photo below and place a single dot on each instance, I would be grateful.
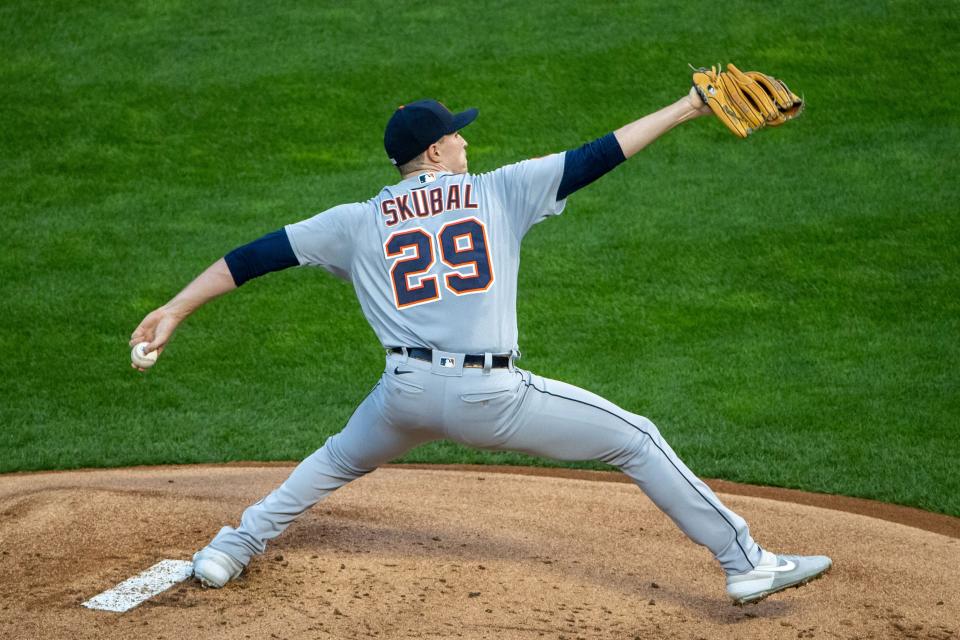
(434, 258)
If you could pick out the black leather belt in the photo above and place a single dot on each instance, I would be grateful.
(469, 360)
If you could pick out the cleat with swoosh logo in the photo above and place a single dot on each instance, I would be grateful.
(775, 573)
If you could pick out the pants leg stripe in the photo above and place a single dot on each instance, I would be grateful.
(654, 443)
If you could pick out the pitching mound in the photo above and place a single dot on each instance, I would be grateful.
(417, 553)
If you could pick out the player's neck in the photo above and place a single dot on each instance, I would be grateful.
(423, 167)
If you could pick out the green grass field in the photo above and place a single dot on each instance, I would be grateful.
(786, 309)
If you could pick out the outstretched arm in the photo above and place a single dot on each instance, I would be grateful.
(272, 252)
(640, 133)
(585, 164)
(157, 327)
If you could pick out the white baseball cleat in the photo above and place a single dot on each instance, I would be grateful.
(214, 568)
(775, 573)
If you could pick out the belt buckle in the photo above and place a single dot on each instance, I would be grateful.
(446, 363)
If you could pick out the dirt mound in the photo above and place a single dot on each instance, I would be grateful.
(416, 553)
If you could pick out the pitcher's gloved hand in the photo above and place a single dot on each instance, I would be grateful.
(745, 102)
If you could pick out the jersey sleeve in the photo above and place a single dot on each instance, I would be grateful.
(528, 190)
(326, 240)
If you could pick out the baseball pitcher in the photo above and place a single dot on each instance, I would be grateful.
(433, 260)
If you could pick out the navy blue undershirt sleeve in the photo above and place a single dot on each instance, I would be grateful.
(272, 252)
(583, 165)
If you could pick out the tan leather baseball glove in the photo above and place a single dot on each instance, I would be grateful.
(746, 101)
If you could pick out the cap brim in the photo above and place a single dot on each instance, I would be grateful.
(462, 119)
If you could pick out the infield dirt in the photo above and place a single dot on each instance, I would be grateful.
(439, 553)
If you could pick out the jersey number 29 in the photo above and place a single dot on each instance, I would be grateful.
(463, 247)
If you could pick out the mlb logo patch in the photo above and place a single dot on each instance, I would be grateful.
(449, 363)
(427, 178)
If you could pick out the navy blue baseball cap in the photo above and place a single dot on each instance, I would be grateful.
(414, 127)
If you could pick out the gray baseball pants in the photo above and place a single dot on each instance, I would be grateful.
(505, 409)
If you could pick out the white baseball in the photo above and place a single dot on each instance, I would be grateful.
(141, 358)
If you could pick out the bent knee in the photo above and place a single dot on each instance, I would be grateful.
(333, 460)
(644, 424)
(632, 448)
(637, 444)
